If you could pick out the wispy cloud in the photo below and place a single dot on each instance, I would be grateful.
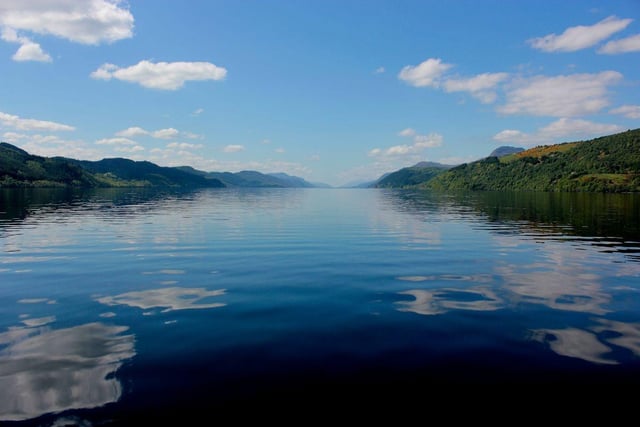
(32, 124)
(628, 111)
(580, 37)
(480, 87)
(129, 149)
(115, 141)
(564, 128)
(233, 148)
(132, 132)
(52, 145)
(87, 22)
(407, 151)
(626, 45)
(167, 133)
(379, 70)
(560, 96)
(161, 75)
(433, 73)
(184, 145)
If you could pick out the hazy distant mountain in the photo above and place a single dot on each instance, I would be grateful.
(505, 150)
(254, 179)
(144, 171)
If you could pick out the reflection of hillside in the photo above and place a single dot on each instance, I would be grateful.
(59, 205)
(20, 203)
(44, 371)
(168, 298)
(611, 220)
(580, 214)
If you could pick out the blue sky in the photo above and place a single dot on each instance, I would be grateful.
(331, 91)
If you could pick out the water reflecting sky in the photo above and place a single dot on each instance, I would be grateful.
(117, 303)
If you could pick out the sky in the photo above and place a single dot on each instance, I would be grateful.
(333, 91)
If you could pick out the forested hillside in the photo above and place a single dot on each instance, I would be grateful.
(21, 169)
(606, 164)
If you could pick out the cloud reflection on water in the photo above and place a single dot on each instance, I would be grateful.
(438, 301)
(168, 298)
(45, 371)
(574, 342)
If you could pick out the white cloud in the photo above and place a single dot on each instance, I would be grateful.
(480, 86)
(629, 111)
(427, 73)
(191, 135)
(581, 36)
(161, 75)
(427, 141)
(115, 141)
(280, 150)
(127, 149)
(183, 145)
(165, 133)
(197, 112)
(132, 131)
(81, 21)
(420, 143)
(28, 50)
(560, 130)
(379, 70)
(233, 148)
(560, 96)
(407, 132)
(432, 73)
(576, 127)
(31, 52)
(51, 146)
(32, 124)
(629, 44)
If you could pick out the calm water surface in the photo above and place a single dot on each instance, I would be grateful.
(119, 305)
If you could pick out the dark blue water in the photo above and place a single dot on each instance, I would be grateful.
(129, 305)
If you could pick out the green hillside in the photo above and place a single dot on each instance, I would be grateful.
(606, 164)
(409, 177)
(21, 169)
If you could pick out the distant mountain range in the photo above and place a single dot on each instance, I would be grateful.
(18, 168)
(605, 164)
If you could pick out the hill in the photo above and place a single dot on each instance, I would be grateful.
(505, 150)
(18, 168)
(410, 176)
(254, 179)
(605, 164)
(21, 169)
